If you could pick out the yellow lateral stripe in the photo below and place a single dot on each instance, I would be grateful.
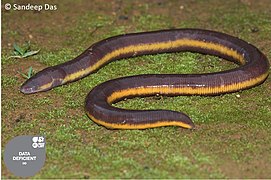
(185, 90)
(156, 46)
(46, 86)
(139, 126)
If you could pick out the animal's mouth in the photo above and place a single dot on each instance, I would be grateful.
(28, 90)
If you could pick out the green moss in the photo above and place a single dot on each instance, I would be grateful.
(7, 81)
(232, 131)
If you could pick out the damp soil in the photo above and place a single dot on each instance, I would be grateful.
(232, 149)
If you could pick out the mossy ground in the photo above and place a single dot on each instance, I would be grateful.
(232, 138)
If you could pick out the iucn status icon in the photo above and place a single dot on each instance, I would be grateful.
(24, 156)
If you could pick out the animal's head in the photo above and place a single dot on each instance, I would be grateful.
(43, 81)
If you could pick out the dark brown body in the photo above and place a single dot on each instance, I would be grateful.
(253, 70)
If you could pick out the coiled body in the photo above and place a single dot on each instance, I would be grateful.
(253, 70)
